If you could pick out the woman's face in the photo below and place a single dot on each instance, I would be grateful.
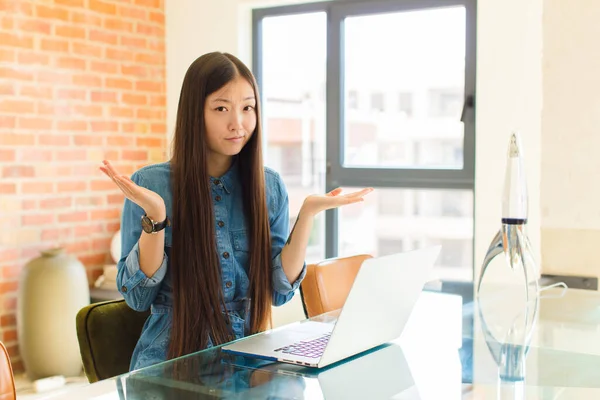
(230, 117)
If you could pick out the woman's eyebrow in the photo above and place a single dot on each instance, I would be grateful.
(229, 101)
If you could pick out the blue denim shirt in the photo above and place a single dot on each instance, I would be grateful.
(142, 292)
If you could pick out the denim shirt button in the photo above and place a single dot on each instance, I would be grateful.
(218, 198)
(217, 182)
(228, 284)
(221, 224)
(226, 255)
(123, 289)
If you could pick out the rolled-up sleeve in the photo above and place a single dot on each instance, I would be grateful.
(283, 290)
(138, 289)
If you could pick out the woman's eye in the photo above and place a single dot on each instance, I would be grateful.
(248, 108)
(221, 108)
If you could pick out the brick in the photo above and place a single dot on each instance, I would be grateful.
(157, 17)
(16, 40)
(87, 80)
(158, 101)
(54, 140)
(52, 13)
(70, 3)
(54, 77)
(104, 67)
(37, 187)
(17, 139)
(115, 199)
(37, 155)
(8, 255)
(85, 49)
(71, 155)
(78, 247)
(7, 89)
(77, 186)
(93, 259)
(156, 45)
(37, 219)
(8, 55)
(148, 3)
(87, 140)
(9, 335)
(134, 99)
(10, 302)
(71, 63)
(134, 70)
(101, 244)
(7, 155)
(86, 18)
(103, 37)
(104, 126)
(8, 286)
(56, 109)
(71, 94)
(120, 141)
(132, 12)
(35, 124)
(54, 45)
(115, 24)
(103, 185)
(30, 58)
(134, 155)
(158, 128)
(35, 25)
(57, 202)
(104, 214)
(18, 171)
(149, 30)
(121, 112)
(8, 188)
(72, 125)
(70, 32)
(90, 201)
(105, 97)
(86, 230)
(119, 55)
(16, 73)
(29, 204)
(37, 91)
(103, 7)
(8, 320)
(149, 86)
(112, 227)
(88, 110)
(133, 42)
(57, 234)
(74, 216)
(8, 121)
(118, 83)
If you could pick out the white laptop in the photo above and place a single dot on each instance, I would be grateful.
(376, 310)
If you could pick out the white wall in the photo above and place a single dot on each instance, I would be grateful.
(571, 126)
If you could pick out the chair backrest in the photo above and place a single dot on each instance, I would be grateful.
(7, 380)
(327, 283)
(107, 333)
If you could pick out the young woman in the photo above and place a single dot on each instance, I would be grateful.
(205, 241)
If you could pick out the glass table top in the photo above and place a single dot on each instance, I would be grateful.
(453, 347)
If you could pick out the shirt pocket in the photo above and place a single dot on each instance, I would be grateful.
(241, 247)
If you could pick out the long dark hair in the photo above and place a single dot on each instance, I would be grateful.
(195, 269)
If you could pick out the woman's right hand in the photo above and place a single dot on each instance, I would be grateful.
(149, 201)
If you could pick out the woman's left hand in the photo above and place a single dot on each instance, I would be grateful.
(316, 203)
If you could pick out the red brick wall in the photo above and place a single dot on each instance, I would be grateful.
(80, 80)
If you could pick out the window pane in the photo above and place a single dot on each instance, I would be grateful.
(294, 67)
(411, 92)
(396, 220)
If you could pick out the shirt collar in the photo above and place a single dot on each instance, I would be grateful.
(227, 180)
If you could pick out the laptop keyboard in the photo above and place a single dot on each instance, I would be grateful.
(307, 348)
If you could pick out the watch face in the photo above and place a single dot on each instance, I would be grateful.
(147, 224)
